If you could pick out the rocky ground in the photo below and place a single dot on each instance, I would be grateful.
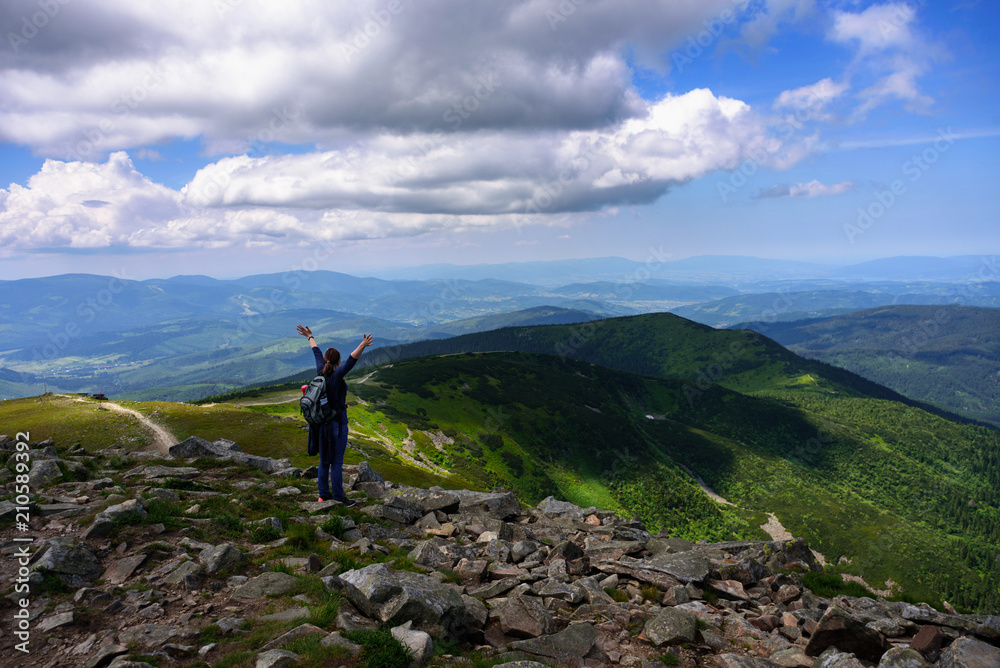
(220, 558)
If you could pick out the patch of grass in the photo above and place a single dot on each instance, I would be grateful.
(52, 584)
(302, 537)
(118, 462)
(264, 533)
(322, 614)
(181, 484)
(279, 566)
(379, 649)
(335, 527)
(669, 659)
(451, 576)
(652, 593)
(617, 595)
(316, 655)
(254, 501)
(228, 524)
(241, 659)
(829, 584)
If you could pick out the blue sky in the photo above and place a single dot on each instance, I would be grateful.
(232, 138)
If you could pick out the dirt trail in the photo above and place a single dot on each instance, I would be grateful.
(162, 438)
(777, 531)
(705, 488)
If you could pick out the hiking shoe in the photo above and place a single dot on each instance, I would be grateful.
(324, 498)
(349, 503)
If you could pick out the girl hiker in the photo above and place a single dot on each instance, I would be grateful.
(330, 439)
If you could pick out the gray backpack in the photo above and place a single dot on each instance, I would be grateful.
(315, 404)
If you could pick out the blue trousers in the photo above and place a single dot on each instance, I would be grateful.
(332, 444)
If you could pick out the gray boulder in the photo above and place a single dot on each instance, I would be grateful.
(692, 566)
(672, 626)
(219, 557)
(834, 658)
(740, 661)
(226, 450)
(267, 583)
(367, 474)
(43, 473)
(440, 553)
(393, 597)
(970, 653)
(572, 643)
(423, 499)
(498, 505)
(74, 563)
(418, 643)
(526, 617)
(111, 513)
(277, 658)
(552, 508)
(902, 657)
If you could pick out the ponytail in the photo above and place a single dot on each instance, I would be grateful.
(332, 357)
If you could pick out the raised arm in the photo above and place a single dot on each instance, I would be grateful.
(305, 331)
(365, 342)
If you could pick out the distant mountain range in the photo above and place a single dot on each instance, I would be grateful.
(200, 335)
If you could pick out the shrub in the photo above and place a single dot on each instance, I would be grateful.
(380, 649)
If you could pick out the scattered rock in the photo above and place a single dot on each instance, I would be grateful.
(838, 629)
(277, 658)
(267, 584)
(417, 642)
(393, 597)
(970, 653)
(672, 626)
(219, 557)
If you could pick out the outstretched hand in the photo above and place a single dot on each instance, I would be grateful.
(366, 340)
(304, 331)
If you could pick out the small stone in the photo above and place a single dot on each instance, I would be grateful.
(54, 622)
(419, 643)
(927, 640)
(220, 557)
(902, 657)
(277, 658)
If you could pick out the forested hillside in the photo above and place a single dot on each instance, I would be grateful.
(945, 355)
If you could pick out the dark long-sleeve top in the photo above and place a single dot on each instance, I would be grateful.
(336, 388)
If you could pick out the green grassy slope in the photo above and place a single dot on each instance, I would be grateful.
(903, 493)
(945, 355)
(659, 344)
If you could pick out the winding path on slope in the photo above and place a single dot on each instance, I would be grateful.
(162, 438)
